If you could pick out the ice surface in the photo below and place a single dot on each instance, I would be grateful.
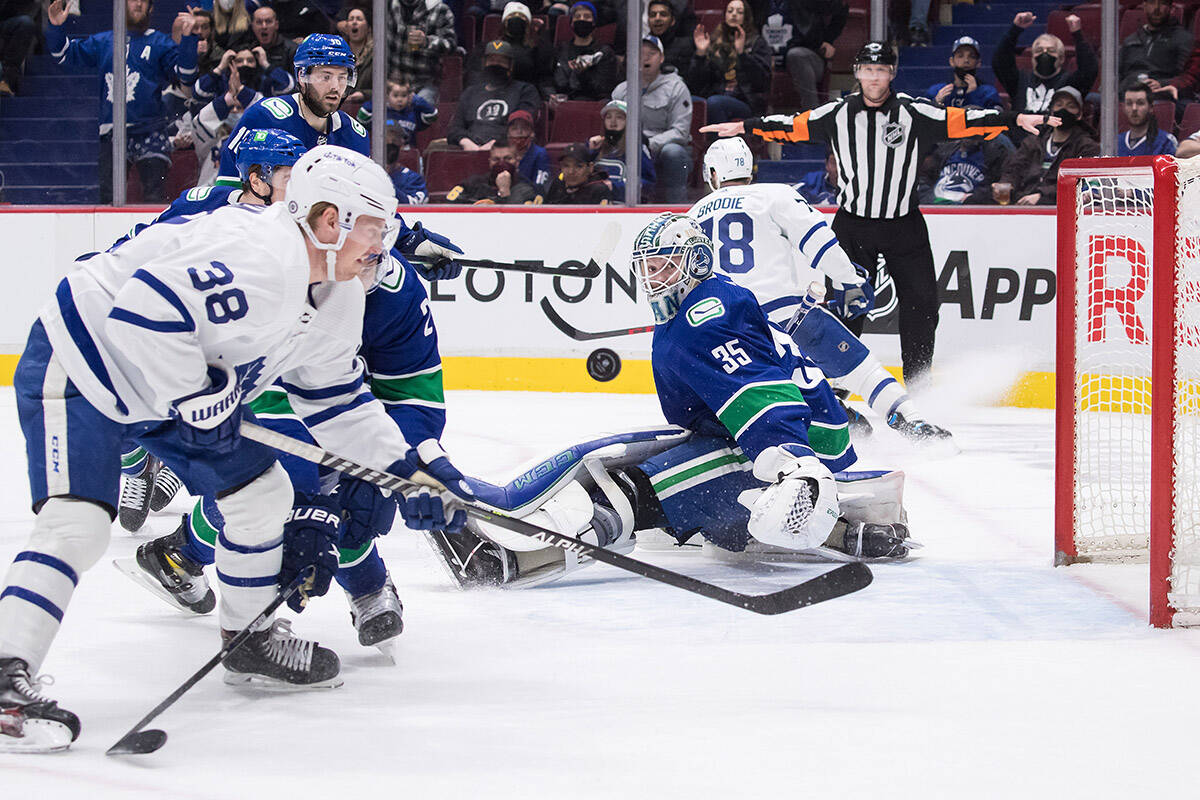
(976, 670)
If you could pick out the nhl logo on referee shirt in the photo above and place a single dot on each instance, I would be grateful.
(893, 134)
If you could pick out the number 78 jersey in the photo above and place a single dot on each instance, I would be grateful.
(772, 242)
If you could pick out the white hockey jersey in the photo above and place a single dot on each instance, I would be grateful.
(136, 328)
(772, 242)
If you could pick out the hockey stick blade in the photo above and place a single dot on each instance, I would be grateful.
(140, 742)
(835, 583)
(584, 336)
(590, 270)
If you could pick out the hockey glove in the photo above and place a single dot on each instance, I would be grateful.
(427, 508)
(209, 419)
(852, 300)
(800, 507)
(310, 535)
(367, 511)
(427, 244)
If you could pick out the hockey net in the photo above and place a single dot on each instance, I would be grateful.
(1128, 378)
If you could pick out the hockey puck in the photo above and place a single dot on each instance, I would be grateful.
(603, 364)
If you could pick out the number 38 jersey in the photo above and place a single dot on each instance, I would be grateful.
(136, 328)
(771, 241)
(720, 369)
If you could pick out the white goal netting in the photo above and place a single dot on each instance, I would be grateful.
(1115, 385)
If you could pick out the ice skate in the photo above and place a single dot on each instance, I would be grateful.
(136, 492)
(166, 486)
(277, 660)
(378, 618)
(30, 722)
(164, 570)
(917, 430)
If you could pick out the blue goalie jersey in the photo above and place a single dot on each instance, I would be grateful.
(283, 113)
(722, 370)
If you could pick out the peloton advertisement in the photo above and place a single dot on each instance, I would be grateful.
(552, 317)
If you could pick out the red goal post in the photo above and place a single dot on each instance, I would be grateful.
(1127, 404)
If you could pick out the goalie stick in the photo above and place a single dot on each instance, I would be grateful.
(835, 583)
(584, 336)
(141, 742)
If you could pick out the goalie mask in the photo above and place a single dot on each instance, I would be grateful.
(671, 256)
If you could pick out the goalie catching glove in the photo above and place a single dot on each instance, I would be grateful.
(800, 507)
(852, 300)
(427, 244)
(431, 507)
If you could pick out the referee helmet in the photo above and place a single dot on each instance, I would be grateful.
(877, 53)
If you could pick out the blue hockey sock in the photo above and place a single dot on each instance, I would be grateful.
(133, 461)
(202, 527)
(361, 571)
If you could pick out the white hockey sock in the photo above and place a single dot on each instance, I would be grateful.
(250, 548)
(883, 393)
(69, 536)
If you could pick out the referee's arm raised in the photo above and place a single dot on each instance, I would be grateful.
(944, 123)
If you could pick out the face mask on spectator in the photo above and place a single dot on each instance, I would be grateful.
(962, 72)
(583, 27)
(1044, 64)
(516, 27)
(226, 5)
(248, 75)
(495, 74)
(612, 137)
(1068, 119)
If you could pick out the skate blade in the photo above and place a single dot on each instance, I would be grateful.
(129, 568)
(251, 680)
(39, 736)
(388, 649)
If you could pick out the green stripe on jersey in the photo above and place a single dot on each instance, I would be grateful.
(348, 557)
(425, 386)
(669, 478)
(754, 400)
(829, 441)
(228, 180)
(272, 402)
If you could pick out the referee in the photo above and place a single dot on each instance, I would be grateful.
(880, 139)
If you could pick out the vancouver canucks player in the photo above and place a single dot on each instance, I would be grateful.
(325, 70)
(759, 435)
(772, 242)
(161, 340)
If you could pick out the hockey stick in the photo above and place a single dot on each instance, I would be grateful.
(589, 270)
(835, 583)
(584, 336)
(141, 742)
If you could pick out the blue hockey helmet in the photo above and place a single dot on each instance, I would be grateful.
(324, 50)
(267, 148)
(671, 256)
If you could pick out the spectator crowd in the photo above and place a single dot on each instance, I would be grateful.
(491, 101)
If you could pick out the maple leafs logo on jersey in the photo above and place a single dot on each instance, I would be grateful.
(131, 84)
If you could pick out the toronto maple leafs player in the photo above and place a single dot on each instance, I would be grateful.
(404, 371)
(751, 461)
(772, 242)
(325, 69)
(161, 340)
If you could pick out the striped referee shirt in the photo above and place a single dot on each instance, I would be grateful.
(879, 149)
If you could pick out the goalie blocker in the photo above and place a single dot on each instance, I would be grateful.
(606, 490)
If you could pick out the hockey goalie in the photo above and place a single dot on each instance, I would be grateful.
(753, 460)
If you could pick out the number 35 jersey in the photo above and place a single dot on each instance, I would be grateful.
(771, 241)
(720, 369)
(135, 328)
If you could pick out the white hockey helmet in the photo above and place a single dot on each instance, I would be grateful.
(727, 160)
(671, 256)
(349, 180)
